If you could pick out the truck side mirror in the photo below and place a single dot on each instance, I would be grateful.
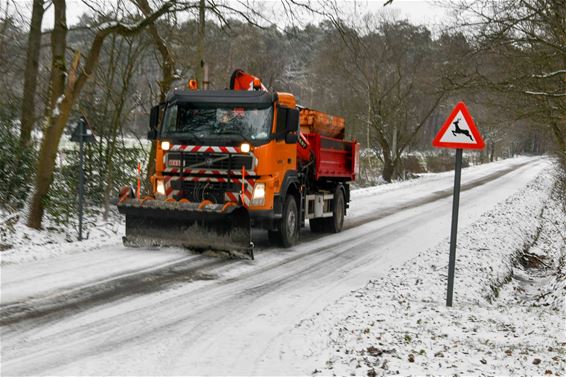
(281, 126)
(292, 120)
(152, 134)
(154, 117)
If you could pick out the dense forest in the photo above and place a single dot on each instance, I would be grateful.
(394, 82)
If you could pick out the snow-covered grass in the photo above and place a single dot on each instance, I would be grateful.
(508, 316)
(23, 244)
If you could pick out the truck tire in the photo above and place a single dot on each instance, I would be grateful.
(336, 222)
(289, 227)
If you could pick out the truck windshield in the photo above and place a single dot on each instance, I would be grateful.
(183, 121)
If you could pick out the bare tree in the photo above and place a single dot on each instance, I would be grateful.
(30, 75)
(167, 70)
(390, 65)
(200, 43)
(65, 88)
(528, 39)
(130, 52)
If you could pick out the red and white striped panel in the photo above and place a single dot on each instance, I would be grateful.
(206, 172)
(204, 149)
(169, 192)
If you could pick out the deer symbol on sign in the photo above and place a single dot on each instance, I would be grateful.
(458, 130)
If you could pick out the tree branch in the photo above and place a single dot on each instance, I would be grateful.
(108, 28)
(547, 75)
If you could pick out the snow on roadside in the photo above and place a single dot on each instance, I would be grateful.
(539, 274)
(23, 244)
(400, 324)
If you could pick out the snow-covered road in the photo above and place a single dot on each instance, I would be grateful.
(120, 311)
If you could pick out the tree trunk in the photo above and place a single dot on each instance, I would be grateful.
(109, 182)
(388, 168)
(46, 162)
(560, 141)
(4, 26)
(30, 74)
(58, 47)
(58, 105)
(200, 45)
(386, 152)
(388, 161)
(116, 125)
(167, 76)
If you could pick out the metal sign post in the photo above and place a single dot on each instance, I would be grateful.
(458, 132)
(81, 177)
(454, 228)
(82, 134)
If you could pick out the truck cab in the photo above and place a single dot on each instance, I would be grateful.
(208, 140)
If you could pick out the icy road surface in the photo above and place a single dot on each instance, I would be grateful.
(121, 311)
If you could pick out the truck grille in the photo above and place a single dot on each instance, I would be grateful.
(221, 161)
(199, 191)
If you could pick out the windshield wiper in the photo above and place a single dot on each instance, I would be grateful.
(235, 132)
(191, 133)
(233, 129)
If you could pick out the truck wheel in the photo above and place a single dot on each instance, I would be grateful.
(289, 228)
(336, 222)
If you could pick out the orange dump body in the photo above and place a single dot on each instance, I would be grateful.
(313, 121)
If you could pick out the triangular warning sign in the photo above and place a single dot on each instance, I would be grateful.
(459, 131)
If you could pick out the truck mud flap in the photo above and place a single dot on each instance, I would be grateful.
(198, 227)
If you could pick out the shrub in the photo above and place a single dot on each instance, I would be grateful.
(17, 167)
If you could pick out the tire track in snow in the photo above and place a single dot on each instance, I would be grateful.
(69, 301)
(202, 313)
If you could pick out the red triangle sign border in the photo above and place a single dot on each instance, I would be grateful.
(460, 107)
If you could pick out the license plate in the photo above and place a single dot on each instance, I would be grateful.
(174, 163)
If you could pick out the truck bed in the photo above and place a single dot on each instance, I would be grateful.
(335, 159)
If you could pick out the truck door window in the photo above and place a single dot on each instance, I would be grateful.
(170, 123)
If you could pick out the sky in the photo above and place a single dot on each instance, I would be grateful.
(423, 12)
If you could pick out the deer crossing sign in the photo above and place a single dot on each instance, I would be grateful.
(459, 131)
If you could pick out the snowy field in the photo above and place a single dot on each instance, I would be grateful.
(97, 308)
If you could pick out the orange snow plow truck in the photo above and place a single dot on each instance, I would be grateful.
(230, 160)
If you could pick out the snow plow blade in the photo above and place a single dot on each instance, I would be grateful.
(192, 225)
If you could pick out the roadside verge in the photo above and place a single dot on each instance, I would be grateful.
(508, 314)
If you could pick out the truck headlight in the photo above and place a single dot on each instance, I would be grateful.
(258, 197)
(165, 145)
(245, 147)
(160, 187)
